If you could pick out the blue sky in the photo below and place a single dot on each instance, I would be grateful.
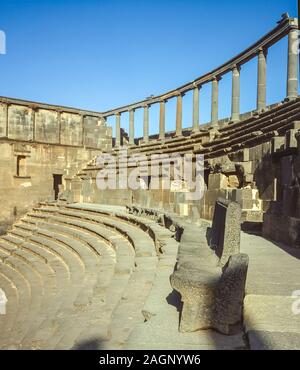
(100, 54)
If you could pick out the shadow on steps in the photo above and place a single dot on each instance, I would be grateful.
(90, 345)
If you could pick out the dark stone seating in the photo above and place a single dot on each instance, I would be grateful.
(210, 273)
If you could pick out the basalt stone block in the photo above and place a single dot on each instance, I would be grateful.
(277, 144)
(226, 229)
(212, 300)
(210, 273)
(290, 139)
(217, 181)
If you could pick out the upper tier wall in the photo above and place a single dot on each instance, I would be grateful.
(35, 122)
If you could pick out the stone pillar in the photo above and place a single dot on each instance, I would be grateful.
(235, 99)
(261, 80)
(131, 127)
(179, 115)
(196, 108)
(162, 120)
(214, 101)
(118, 129)
(146, 123)
(292, 68)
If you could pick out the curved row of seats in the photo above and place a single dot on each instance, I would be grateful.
(76, 276)
(229, 139)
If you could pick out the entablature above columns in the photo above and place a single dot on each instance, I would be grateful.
(282, 29)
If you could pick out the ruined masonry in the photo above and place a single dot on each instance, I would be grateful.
(152, 268)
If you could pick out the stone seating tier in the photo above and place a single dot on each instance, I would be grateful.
(210, 272)
(60, 264)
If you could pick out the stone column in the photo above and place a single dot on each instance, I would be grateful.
(214, 101)
(179, 115)
(118, 129)
(162, 120)
(196, 108)
(146, 123)
(235, 99)
(261, 80)
(292, 71)
(131, 127)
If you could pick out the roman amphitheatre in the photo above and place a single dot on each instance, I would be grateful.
(84, 266)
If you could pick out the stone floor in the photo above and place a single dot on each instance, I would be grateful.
(273, 276)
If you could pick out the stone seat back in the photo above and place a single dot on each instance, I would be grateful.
(225, 233)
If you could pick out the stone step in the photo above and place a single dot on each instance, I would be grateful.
(156, 232)
(141, 242)
(38, 287)
(89, 230)
(53, 274)
(89, 257)
(91, 273)
(20, 327)
(109, 260)
(128, 312)
(161, 285)
(62, 343)
(7, 321)
(49, 326)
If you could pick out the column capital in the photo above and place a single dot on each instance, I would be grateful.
(216, 78)
(179, 93)
(236, 67)
(117, 114)
(262, 50)
(197, 85)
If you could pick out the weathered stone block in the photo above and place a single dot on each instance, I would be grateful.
(233, 181)
(226, 229)
(255, 153)
(277, 144)
(217, 181)
(290, 139)
(20, 122)
(211, 300)
(249, 178)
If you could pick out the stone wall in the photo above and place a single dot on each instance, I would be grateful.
(38, 141)
(282, 219)
(18, 193)
(28, 121)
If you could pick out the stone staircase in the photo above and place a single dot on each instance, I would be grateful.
(87, 276)
(74, 278)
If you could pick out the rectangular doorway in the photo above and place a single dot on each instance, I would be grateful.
(57, 180)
